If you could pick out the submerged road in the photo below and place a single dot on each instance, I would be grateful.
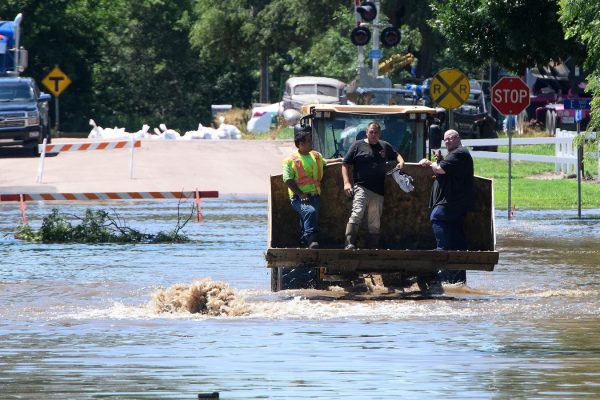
(232, 167)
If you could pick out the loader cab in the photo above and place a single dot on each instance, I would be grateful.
(335, 128)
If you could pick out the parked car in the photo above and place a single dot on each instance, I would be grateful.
(263, 117)
(303, 90)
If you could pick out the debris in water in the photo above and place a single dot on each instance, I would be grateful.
(96, 227)
(202, 296)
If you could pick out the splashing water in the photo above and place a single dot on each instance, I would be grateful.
(202, 296)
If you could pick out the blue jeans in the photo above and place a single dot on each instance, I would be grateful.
(309, 217)
(448, 229)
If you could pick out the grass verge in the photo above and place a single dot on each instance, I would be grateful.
(535, 185)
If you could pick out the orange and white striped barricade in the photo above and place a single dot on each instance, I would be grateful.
(104, 196)
(86, 146)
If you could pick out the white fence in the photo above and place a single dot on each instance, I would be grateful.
(564, 158)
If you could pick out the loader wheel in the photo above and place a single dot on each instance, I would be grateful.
(394, 280)
(430, 284)
(283, 278)
(453, 276)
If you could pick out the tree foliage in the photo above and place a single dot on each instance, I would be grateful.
(516, 34)
(260, 35)
(167, 61)
(94, 227)
(148, 71)
(581, 20)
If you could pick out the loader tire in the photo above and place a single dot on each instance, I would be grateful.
(284, 278)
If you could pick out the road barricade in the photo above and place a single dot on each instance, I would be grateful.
(196, 196)
(85, 146)
(108, 196)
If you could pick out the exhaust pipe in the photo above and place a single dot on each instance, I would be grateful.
(17, 23)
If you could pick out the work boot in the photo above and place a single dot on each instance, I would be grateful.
(312, 242)
(373, 240)
(351, 231)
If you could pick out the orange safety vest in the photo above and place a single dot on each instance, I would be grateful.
(303, 178)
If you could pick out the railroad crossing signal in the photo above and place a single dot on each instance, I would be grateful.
(367, 11)
(389, 36)
(510, 95)
(449, 88)
(56, 81)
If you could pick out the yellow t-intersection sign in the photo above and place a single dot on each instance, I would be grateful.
(56, 81)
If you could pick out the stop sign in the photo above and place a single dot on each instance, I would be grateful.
(510, 95)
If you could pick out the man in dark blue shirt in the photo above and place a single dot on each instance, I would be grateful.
(452, 194)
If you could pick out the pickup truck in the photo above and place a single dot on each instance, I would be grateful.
(24, 119)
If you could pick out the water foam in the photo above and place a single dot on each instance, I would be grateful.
(202, 296)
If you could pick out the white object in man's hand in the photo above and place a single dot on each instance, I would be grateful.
(425, 162)
(403, 180)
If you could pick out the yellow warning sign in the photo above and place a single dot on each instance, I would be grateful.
(56, 81)
(449, 88)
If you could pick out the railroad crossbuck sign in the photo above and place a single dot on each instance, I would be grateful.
(449, 88)
(56, 81)
(510, 95)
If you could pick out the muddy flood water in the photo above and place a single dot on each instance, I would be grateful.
(99, 321)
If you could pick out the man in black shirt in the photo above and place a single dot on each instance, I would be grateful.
(452, 194)
(368, 158)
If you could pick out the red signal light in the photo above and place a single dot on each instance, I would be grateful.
(367, 11)
(390, 36)
(360, 36)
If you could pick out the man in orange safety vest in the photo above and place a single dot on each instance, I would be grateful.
(302, 173)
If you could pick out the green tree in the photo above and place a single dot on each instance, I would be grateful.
(255, 32)
(581, 20)
(426, 43)
(149, 73)
(516, 34)
(330, 54)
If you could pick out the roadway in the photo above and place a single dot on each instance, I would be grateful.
(232, 167)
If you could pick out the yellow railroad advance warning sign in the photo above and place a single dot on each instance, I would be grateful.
(449, 88)
(56, 81)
